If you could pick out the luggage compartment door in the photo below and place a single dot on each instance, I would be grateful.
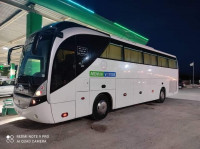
(124, 89)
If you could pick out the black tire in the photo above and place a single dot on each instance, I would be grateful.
(100, 107)
(162, 96)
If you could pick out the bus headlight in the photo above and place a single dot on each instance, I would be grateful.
(37, 101)
(41, 91)
(38, 93)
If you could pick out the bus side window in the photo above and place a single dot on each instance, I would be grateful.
(163, 62)
(147, 58)
(154, 60)
(150, 59)
(172, 63)
(112, 52)
(131, 55)
(159, 61)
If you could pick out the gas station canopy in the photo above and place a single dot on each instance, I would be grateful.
(15, 23)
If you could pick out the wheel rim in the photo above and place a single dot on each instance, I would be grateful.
(102, 107)
(162, 95)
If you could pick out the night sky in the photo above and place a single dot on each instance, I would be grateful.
(172, 26)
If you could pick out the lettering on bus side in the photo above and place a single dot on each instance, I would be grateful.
(102, 74)
(109, 74)
(96, 74)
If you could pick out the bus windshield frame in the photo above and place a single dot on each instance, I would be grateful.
(34, 61)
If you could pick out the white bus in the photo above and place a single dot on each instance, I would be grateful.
(68, 71)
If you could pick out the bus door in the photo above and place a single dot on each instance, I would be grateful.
(82, 85)
(62, 91)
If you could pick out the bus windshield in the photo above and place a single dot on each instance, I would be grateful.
(34, 56)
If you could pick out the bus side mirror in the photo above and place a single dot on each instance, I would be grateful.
(10, 52)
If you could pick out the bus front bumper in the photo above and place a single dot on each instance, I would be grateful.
(39, 113)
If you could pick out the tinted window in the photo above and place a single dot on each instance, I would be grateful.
(147, 58)
(89, 47)
(112, 52)
(150, 59)
(163, 62)
(63, 70)
(154, 60)
(132, 56)
(172, 63)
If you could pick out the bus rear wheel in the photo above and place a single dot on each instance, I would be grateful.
(100, 107)
(162, 96)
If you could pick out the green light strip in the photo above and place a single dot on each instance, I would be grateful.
(81, 6)
(130, 31)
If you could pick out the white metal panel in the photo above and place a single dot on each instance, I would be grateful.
(82, 84)
(65, 93)
(153, 90)
(82, 104)
(59, 108)
(96, 84)
(124, 89)
(139, 93)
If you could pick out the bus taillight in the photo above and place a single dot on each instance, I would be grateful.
(64, 114)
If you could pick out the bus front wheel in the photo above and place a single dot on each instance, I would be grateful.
(100, 107)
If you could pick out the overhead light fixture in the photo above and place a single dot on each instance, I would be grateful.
(130, 31)
(5, 48)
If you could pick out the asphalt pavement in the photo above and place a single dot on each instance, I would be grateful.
(175, 124)
(188, 94)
